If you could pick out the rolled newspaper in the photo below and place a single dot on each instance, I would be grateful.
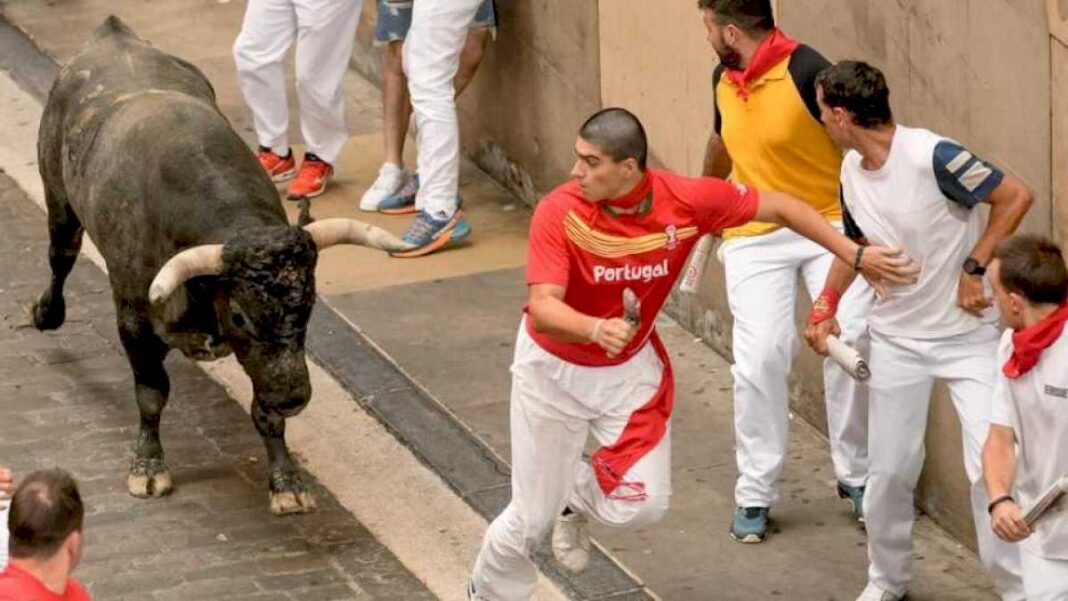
(696, 267)
(848, 358)
(632, 308)
(1047, 499)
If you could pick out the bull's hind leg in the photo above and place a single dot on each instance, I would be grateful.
(65, 240)
(288, 493)
(148, 476)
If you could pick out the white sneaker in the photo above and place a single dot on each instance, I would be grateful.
(571, 542)
(875, 593)
(391, 178)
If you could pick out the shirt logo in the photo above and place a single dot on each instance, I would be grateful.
(672, 237)
(1061, 393)
(630, 273)
(612, 246)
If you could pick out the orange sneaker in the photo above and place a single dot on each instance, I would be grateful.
(311, 181)
(281, 169)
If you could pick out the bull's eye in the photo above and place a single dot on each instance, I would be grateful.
(237, 320)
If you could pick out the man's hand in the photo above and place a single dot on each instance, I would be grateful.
(1008, 523)
(7, 483)
(816, 334)
(613, 335)
(881, 265)
(970, 294)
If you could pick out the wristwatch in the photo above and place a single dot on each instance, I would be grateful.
(972, 267)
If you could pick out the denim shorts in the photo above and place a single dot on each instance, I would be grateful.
(395, 18)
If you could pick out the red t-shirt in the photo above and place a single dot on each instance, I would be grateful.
(17, 584)
(596, 255)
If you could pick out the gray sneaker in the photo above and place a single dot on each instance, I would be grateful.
(855, 496)
(571, 542)
(873, 592)
(750, 525)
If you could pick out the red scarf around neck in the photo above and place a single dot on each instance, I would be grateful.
(771, 51)
(1028, 343)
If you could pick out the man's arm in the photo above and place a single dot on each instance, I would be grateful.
(550, 315)
(7, 484)
(877, 263)
(717, 160)
(999, 473)
(1009, 202)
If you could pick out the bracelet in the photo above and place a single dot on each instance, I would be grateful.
(860, 253)
(825, 306)
(596, 332)
(998, 501)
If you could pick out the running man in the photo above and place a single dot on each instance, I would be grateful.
(916, 190)
(580, 367)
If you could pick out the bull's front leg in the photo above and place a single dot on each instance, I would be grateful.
(148, 475)
(288, 493)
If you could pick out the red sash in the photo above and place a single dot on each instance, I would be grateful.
(772, 50)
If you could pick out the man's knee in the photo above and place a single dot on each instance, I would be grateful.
(632, 513)
(762, 354)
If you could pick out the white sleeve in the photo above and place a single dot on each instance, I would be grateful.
(1003, 405)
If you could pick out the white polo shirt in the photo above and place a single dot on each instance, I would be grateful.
(921, 200)
(1035, 406)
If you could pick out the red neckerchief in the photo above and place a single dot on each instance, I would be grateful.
(630, 199)
(1028, 343)
(771, 51)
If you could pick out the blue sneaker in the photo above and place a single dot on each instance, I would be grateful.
(428, 234)
(402, 202)
(855, 496)
(750, 524)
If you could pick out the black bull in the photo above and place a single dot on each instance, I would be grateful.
(201, 258)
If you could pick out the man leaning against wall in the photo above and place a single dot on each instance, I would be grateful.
(768, 136)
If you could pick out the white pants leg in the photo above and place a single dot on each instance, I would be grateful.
(266, 34)
(903, 372)
(969, 370)
(1044, 579)
(326, 33)
(846, 399)
(553, 406)
(431, 57)
(899, 393)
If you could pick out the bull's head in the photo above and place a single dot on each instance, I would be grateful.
(265, 297)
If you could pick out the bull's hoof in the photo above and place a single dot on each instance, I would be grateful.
(288, 494)
(49, 312)
(149, 478)
(288, 502)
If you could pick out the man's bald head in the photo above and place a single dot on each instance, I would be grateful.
(618, 134)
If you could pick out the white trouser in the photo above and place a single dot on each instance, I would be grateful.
(903, 374)
(431, 57)
(554, 407)
(1044, 579)
(325, 31)
(762, 273)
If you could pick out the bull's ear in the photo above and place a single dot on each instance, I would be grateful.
(205, 259)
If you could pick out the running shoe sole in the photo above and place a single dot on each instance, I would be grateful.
(285, 176)
(405, 210)
(749, 539)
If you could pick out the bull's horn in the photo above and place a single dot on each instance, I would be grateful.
(337, 230)
(205, 259)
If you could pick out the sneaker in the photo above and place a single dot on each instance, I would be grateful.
(391, 178)
(312, 178)
(571, 542)
(402, 201)
(750, 524)
(428, 234)
(281, 169)
(855, 496)
(874, 593)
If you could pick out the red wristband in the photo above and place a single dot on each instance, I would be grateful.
(825, 306)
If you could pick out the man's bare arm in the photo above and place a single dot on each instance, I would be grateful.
(717, 160)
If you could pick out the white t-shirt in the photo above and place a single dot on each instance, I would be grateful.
(921, 200)
(1035, 406)
(4, 504)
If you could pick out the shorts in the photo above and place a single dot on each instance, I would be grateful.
(395, 18)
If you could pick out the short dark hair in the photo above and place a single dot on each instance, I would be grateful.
(45, 510)
(748, 15)
(858, 88)
(1033, 266)
(618, 133)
